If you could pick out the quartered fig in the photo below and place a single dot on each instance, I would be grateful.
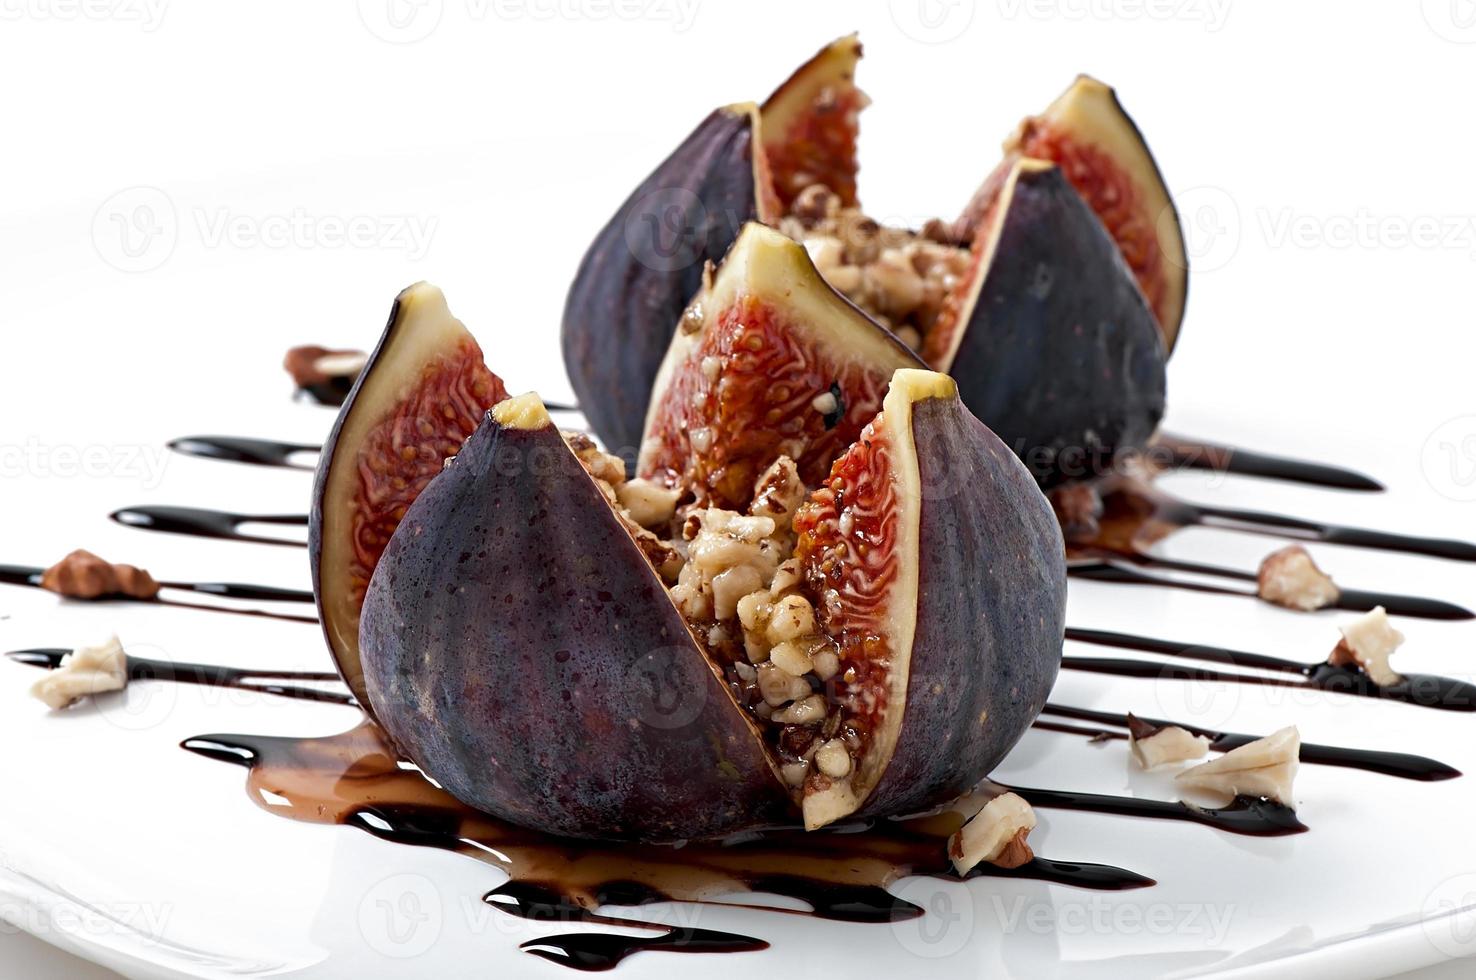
(768, 361)
(422, 392)
(1099, 149)
(1027, 300)
(875, 644)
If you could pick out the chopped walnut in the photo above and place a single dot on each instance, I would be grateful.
(648, 504)
(1266, 767)
(84, 671)
(1153, 746)
(83, 575)
(1289, 577)
(902, 278)
(312, 365)
(1367, 643)
(998, 834)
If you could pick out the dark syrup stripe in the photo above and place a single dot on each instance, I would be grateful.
(1194, 454)
(1420, 690)
(243, 449)
(1398, 764)
(202, 522)
(209, 675)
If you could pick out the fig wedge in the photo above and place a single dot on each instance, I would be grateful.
(647, 262)
(768, 360)
(521, 646)
(1047, 335)
(1091, 137)
(421, 393)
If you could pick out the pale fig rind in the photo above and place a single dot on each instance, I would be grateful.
(648, 261)
(990, 609)
(511, 637)
(1057, 349)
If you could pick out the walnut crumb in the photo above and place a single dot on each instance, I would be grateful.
(83, 575)
(998, 834)
(1367, 644)
(84, 671)
(1289, 577)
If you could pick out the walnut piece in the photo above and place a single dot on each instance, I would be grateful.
(1367, 644)
(997, 834)
(1154, 747)
(83, 575)
(84, 671)
(1289, 577)
(313, 365)
(1266, 767)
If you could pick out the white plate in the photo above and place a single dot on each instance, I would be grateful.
(151, 860)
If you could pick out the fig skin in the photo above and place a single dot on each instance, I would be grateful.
(991, 568)
(510, 635)
(648, 261)
(1059, 352)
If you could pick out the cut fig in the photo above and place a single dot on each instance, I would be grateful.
(1094, 141)
(647, 262)
(422, 392)
(768, 361)
(1048, 344)
(810, 125)
(878, 656)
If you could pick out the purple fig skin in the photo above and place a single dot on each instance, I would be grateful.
(522, 651)
(647, 263)
(1061, 355)
(990, 614)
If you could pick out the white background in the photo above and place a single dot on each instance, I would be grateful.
(1321, 153)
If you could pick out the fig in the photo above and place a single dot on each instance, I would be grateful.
(423, 390)
(872, 645)
(767, 361)
(1086, 132)
(1027, 299)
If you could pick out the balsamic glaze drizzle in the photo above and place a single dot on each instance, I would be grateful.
(1421, 690)
(30, 575)
(210, 675)
(1124, 572)
(203, 522)
(1401, 765)
(243, 449)
(1193, 454)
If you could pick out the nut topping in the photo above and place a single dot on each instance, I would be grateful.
(83, 575)
(1266, 767)
(84, 671)
(1289, 577)
(998, 834)
(1154, 747)
(1367, 644)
